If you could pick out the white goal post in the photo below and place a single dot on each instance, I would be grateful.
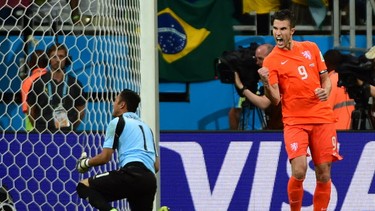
(150, 73)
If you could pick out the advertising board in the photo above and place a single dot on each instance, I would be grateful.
(250, 171)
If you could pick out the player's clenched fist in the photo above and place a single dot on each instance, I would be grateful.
(264, 74)
(321, 94)
(82, 165)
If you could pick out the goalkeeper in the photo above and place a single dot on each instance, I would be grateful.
(137, 156)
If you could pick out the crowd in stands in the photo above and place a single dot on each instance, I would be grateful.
(83, 12)
(312, 12)
(48, 12)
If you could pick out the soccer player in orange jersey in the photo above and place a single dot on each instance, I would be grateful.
(295, 74)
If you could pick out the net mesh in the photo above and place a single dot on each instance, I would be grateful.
(102, 38)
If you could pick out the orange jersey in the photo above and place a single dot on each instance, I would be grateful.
(296, 72)
(342, 105)
(26, 85)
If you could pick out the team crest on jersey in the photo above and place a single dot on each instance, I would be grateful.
(306, 54)
(294, 146)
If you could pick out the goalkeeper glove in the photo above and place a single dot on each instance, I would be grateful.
(83, 163)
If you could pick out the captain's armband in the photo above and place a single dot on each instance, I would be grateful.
(322, 72)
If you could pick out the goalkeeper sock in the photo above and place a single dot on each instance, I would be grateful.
(322, 195)
(93, 197)
(295, 193)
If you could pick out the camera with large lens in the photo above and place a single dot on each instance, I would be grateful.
(242, 61)
(351, 69)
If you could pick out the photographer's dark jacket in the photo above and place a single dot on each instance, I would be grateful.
(47, 94)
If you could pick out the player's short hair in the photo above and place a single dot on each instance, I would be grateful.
(131, 99)
(283, 15)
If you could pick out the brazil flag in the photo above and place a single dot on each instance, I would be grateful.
(191, 34)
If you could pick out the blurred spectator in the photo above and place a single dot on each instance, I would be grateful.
(301, 11)
(263, 8)
(12, 10)
(360, 11)
(339, 99)
(56, 99)
(318, 10)
(36, 65)
(47, 12)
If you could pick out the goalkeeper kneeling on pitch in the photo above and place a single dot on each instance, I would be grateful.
(137, 156)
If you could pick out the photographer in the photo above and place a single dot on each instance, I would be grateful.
(261, 101)
(272, 112)
(258, 99)
(357, 75)
(243, 115)
(370, 55)
(339, 100)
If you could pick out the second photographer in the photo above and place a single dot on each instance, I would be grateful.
(357, 75)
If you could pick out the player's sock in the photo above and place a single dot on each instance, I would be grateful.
(322, 195)
(295, 193)
(93, 197)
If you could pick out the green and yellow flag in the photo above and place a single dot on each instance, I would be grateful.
(318, 9)
(191, 35)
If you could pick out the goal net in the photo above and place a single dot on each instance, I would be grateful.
(110, 46)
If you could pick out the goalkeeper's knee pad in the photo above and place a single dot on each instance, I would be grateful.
(82, 190)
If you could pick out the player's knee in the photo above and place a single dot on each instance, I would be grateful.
(82, 190)
(323, 172)
(323, 177)
(299, 174)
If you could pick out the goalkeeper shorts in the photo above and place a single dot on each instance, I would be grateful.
(134, 182)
